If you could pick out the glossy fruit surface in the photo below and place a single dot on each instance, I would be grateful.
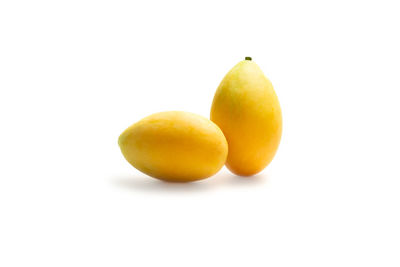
(175, 146)
(247, 110)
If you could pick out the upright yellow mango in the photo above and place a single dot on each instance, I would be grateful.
(175, 146)
(247, 110)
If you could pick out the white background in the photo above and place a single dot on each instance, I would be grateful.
(75, 74)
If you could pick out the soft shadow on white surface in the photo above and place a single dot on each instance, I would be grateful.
(222, 179)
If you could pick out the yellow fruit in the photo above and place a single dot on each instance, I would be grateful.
(247, 110)
(175, 146)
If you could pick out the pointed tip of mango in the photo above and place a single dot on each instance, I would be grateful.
(121, 139)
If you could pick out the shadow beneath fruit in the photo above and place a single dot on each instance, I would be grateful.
(223, 179)
(255, 180)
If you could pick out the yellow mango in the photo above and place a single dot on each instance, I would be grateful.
(175, 146)
(247, 110)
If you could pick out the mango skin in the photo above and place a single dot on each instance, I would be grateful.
(247, 110)
(175, 146)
